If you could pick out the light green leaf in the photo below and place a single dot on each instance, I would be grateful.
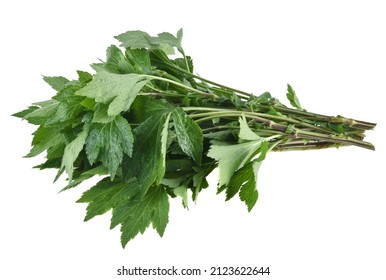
(164, 140)
(291, 95)
(134, 39)
(84, 77)
(57, 83)
(246, 133)
(72, 151)
(182, 191)
(232, 157)
(189, 134)
(120, 89)
(108, 142)
(141, 40)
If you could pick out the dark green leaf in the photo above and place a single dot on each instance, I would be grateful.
(116, 62)
(189, 134)
(45, 138)
(99, 170)
(108, 142)
(145, 107)
(136, 214)
(69, 106)
(105, 195)
(140, 59)
(244, 180)
(147, 163)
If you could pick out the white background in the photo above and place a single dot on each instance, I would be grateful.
(320, 214)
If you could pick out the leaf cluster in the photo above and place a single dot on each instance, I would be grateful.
(154, 130)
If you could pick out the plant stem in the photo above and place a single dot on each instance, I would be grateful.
(211, 82)
(350, 122)
(207, 94)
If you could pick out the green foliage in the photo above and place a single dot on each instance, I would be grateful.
(153, 130)
(291, 95)
(108, 142)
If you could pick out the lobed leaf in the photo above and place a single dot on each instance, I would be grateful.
(72, 151)
(108, 142)
(189, 134)
(105, 195)
(57, 83)
(147, 164)
(118, 89)
(136, 213)
(291, 95)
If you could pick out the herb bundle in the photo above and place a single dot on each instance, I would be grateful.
(153, 129)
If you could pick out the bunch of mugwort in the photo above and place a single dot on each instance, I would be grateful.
(152, 129)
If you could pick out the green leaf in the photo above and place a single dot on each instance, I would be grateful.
(141, 40)
(100, 114)
(244, 180)
(246, 133)
(116, 62)
(69, 105)
(291, 95)
(248, 192)
(27, 111)
(140, 59)
(72, 151)
(57, 83)
(105, 195)
(232, 157)
(120, 89)
(145, 107)
(189, 134)
(99, 170)
(84, 77)
(147, 163)
(182, 191)
(44, 112)
(199, 179)
(45, 138)
(108, 142)
(135, 39)
(136, 214)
